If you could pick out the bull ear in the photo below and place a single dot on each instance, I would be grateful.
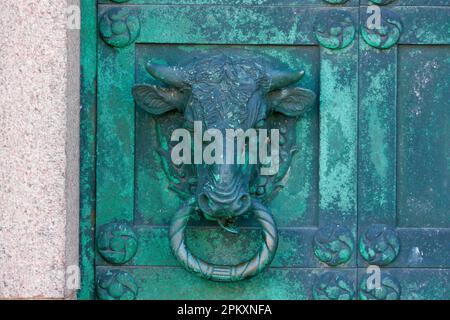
(157, 100)
(291, 102)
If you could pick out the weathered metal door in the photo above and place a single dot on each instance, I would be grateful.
(364, 175)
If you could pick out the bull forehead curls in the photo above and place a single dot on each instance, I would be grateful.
(224, 90)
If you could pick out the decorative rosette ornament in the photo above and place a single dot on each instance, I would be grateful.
(388, 288)
(116, 285)
(332, 286)
(381, 2)
(379, 245)
(117, 243)
(119, 27)
(384, 35)
(336, 1)
(333, 244)
(334, 29)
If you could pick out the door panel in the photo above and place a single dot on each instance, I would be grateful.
(423, 128)
(133, 194)
(235, 2)
(403, 217)
(115, 134)
(390, 3)
(275, 283)
(368, 185)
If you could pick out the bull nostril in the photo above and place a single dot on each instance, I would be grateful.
(223, 207)
(206, 203)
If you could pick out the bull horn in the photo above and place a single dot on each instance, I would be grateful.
(172, 76)
(283, 79)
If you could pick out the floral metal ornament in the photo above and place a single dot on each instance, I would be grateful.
(224, 89)
(116, 285)
(117, 242)
(333, 286)
(334, 29)
(389, 288)
(387, 35)
(333, 244)
(379, 245)
(119, 27)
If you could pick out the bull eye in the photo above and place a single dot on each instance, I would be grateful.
(244, 198)
(188, 124)
(261, 123)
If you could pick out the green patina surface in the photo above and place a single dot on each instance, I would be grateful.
(374, 151)
(424, 129)
(213, 244)
(378, 110)
(236, 2)
(338, 111)
(115, 134)
(87, 147)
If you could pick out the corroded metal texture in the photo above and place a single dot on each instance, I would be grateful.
(363, 176)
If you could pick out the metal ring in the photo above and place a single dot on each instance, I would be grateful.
(224, 273)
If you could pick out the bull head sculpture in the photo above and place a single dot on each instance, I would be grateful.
(224, 91)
